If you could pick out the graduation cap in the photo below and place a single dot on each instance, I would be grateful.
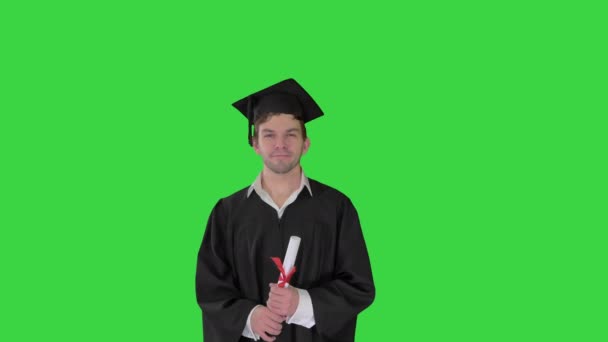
(286, 97)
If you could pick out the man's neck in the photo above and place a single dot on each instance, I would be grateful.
(281, 185)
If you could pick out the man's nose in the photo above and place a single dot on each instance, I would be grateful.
(280, 143)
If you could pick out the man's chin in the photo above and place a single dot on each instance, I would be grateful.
(281, 169)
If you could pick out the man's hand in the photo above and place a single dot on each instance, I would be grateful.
(265, 322)
(283, 301)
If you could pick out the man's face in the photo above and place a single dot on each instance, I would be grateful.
(280, 143)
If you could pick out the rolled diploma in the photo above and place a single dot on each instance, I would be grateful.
(290, 255)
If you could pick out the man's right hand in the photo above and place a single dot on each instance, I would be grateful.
(265, 322)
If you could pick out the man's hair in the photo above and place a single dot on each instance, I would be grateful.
(261, 118)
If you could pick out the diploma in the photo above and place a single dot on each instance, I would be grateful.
(290, 255)
(287, 266)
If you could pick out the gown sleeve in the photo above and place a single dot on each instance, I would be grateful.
(337, 302)
(225, 311)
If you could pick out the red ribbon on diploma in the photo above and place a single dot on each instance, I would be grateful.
(283, 278)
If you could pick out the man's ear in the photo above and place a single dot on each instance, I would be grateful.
(256, 147)
(306, 145)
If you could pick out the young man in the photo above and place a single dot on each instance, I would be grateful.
(236, 278)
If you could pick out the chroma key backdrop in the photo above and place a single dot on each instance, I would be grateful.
(470, 136)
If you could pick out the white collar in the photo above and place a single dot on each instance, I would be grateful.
(257, 185)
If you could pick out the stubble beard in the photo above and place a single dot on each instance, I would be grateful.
(282, 167)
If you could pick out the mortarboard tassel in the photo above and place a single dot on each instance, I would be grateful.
(249, 118)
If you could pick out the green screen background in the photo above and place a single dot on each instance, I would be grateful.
(471, 137)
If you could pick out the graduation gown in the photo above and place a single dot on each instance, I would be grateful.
(234, 266)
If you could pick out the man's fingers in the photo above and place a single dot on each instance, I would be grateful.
(276, 295)
(276, 290)
(278, 309)
(275, 311)
(266, 323)
(275, 317)
(276, 326)
(276, 302)
(278, 299)
(280, 312)
(273, 328)
(266, 338)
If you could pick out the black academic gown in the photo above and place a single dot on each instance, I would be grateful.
(234, 266)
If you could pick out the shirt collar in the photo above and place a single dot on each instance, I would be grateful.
(257, 184)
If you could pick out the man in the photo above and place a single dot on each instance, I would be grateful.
(236, 278)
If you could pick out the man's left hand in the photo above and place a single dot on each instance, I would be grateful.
(283, 300)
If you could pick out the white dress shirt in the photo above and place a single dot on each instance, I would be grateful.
(304, 314)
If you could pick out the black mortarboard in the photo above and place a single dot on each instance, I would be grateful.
(284, 97)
